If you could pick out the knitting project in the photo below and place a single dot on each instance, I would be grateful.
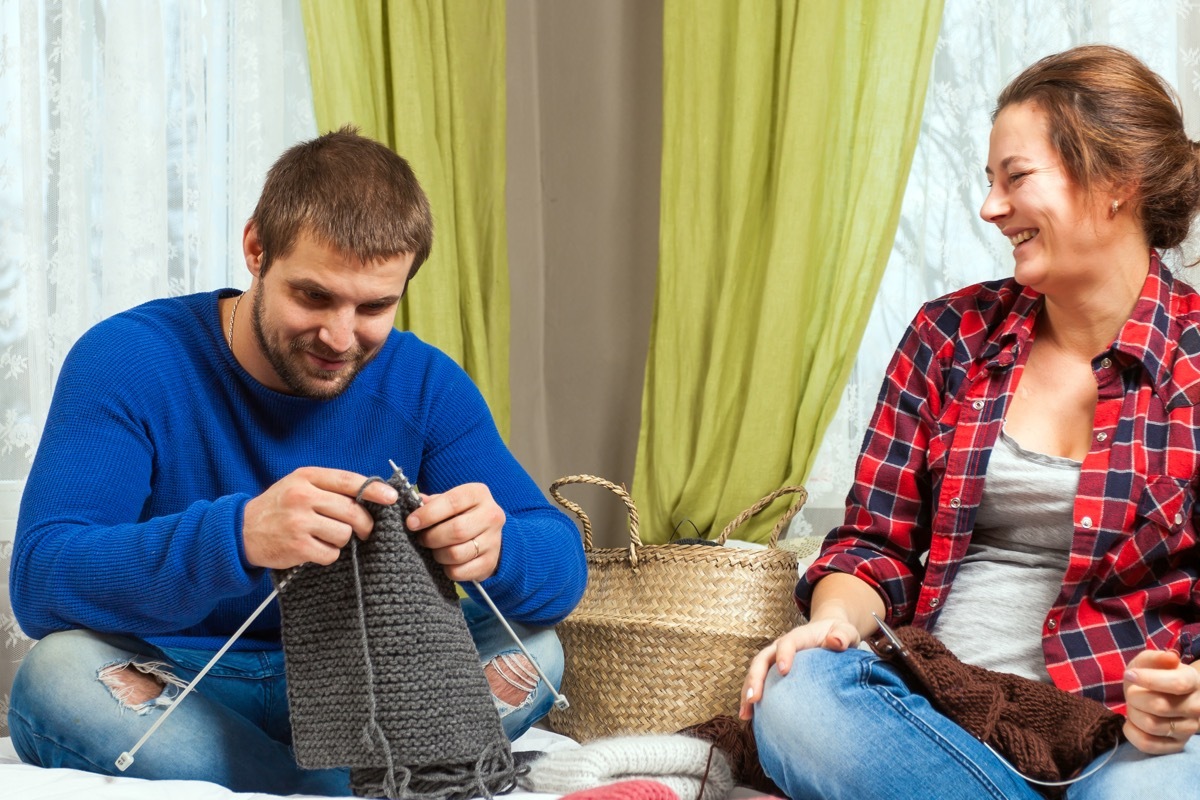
(735, 738)
(1048, 734)
(692, 768)
(382, 673)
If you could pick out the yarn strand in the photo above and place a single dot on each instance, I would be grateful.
(410, 711)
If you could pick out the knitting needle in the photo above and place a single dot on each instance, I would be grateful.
(126, 758)
(560, 700)
(892, 638)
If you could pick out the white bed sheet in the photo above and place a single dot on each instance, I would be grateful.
(22, 782)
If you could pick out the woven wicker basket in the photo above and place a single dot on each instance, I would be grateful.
(664, 633)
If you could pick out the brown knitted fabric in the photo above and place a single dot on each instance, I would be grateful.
(736, 739)
(1046, 733)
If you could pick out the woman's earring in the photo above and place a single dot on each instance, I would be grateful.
(1115, 207)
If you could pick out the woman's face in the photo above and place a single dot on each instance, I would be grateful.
(1058, 232)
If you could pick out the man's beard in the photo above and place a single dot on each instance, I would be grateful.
(290, 365)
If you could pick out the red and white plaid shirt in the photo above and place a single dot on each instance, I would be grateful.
(1131, 583)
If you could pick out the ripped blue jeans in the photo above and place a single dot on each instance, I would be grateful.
(70, 707)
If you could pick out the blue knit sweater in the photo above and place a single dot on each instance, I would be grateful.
(131, 521)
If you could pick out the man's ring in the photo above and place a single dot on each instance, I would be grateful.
(476, 543)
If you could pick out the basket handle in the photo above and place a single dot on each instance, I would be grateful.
(763, 503)
(635, 541)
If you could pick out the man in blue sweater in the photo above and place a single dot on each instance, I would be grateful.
(196, 443)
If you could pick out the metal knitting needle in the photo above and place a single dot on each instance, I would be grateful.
(126, 758)
(560, 700)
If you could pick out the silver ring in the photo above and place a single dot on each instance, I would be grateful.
(474, 542)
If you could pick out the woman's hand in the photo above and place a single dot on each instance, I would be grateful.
(832, 634)
(1162, 696)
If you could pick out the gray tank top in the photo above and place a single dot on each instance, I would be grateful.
(1015, 562)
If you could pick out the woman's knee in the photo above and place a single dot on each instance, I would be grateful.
(807, 702)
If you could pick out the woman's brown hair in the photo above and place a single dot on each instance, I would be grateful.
(1115, 122)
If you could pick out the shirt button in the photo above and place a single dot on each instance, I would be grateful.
(1179, 519)
(933, 602)
(1105, 362)
(977, 405)
(1051, 624)
(1101, 436)
(1086, 522)
(955, 502)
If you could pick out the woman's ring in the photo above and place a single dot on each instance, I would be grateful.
(474, 542)
(1170, 723)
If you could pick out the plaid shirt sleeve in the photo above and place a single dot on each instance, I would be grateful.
(886, 527)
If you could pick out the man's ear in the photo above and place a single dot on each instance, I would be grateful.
(252, 248)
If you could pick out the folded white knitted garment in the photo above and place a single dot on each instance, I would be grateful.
(683, 763)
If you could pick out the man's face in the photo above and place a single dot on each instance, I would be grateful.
(320, 315)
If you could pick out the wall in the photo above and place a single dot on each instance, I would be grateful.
(584, 144)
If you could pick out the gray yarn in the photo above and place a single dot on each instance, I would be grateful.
(383, 676)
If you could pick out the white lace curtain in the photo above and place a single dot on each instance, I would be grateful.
(942, 244)
(134, 136)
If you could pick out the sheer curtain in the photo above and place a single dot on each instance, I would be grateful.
(134, 136)
(941, 243)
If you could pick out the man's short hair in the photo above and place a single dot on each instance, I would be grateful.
(349, 192)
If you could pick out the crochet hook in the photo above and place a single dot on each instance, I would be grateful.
(560, 700)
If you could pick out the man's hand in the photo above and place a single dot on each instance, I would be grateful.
(309, 516)
(1162, 696)
(463, 528)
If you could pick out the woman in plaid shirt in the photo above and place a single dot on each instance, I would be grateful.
(1026, 490)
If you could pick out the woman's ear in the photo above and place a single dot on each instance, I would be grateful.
(1125, 195)
(252, 249)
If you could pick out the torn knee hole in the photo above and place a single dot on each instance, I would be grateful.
(511, 677)
(135, 684)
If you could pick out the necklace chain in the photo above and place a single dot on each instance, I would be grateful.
(232, 317)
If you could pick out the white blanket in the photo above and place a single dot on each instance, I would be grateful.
(23, 782)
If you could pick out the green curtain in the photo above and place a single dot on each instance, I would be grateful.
(788, 132)
(427, 78)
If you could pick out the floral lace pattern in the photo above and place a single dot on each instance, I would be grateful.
(942, 243)
(134, 138)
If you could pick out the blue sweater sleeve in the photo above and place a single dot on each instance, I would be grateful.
(131, 518)
(542, 571)
(85, 555)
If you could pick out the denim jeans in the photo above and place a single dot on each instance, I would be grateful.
(846, 725)
(232, 730)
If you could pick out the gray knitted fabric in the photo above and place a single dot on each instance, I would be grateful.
(382, 674)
